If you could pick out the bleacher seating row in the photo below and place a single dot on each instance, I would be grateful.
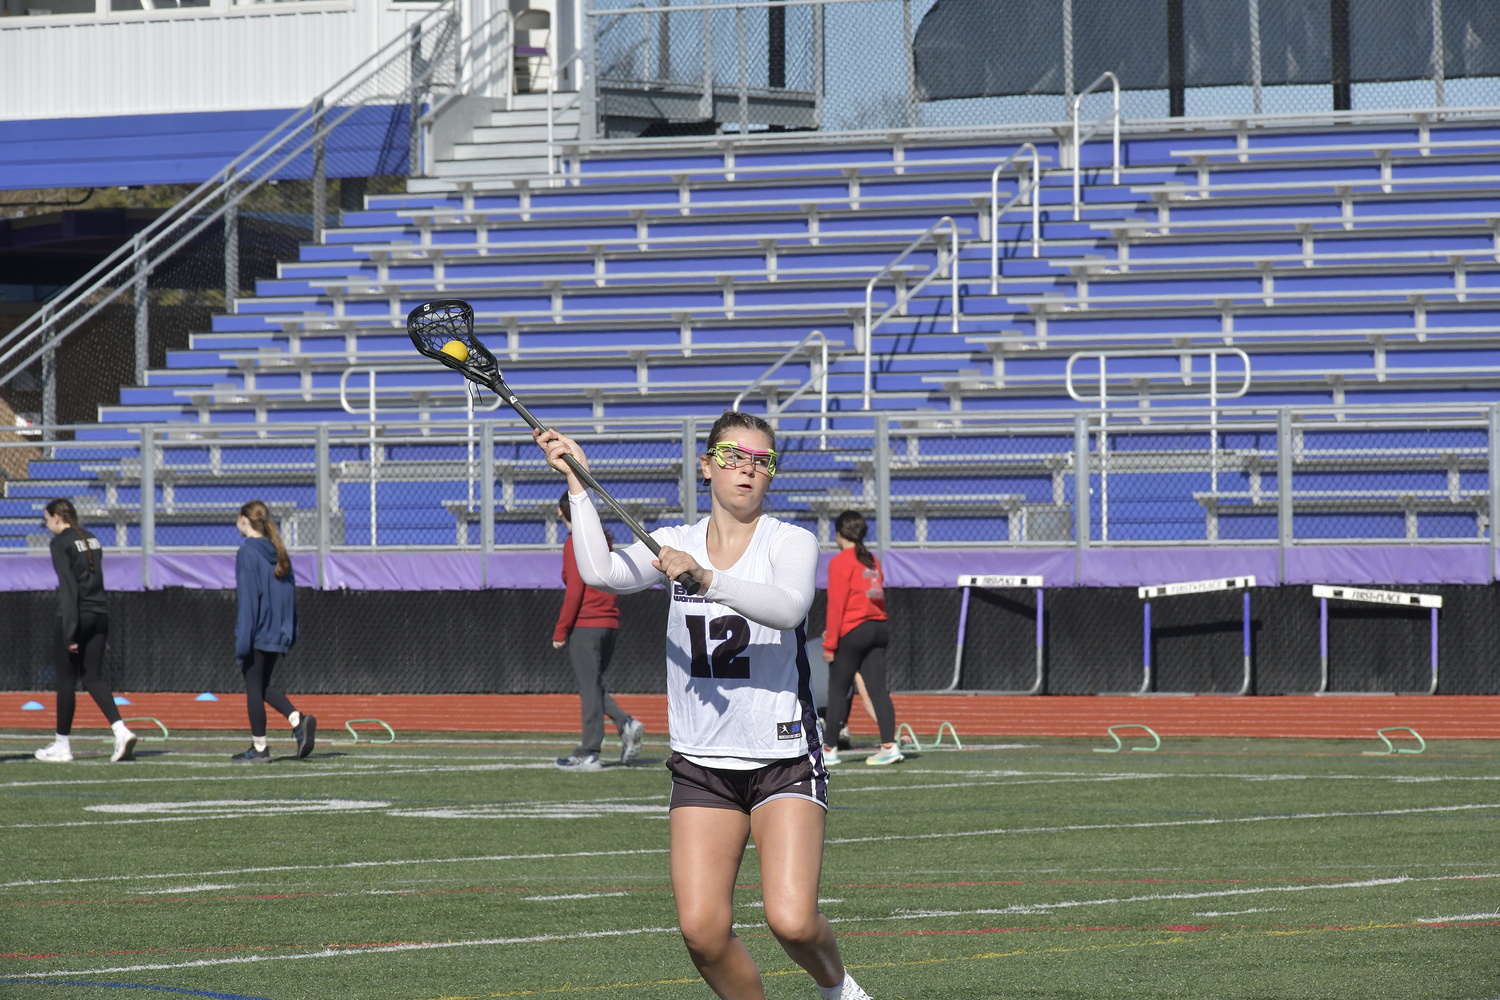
(1349, 266)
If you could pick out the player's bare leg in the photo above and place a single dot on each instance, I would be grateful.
(789, 843)
(707, 846)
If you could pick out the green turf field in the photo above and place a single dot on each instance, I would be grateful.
(446, 868)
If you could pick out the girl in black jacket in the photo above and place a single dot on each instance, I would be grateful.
(83, 629)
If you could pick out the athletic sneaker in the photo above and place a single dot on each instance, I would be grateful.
(253, 756)
(589, 762)
(124, 747)
(845, 740)
(847, 990)
(886, 755)
(305, 730)
(830, 756)
(630, 739)
(55, 753)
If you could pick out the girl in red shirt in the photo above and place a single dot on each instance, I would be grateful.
(855, 637)
(587, 625)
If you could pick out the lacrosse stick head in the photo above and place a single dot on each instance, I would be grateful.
(444, 331)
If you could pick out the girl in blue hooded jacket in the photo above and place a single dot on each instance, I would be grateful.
(266, 628)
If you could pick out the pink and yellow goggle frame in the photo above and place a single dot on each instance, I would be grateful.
(731, 455)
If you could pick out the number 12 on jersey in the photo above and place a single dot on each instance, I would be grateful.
(726, 661)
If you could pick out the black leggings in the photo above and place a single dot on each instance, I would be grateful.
(258, 690)
(862, 651)
(87, 663)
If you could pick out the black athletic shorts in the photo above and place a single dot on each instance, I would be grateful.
(717, 788)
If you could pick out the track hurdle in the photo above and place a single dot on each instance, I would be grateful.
(1120, 744)
(995, 583)
(165, 734)
(1393, 598)
(1146, 594)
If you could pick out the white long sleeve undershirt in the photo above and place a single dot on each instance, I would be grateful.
(781, 604)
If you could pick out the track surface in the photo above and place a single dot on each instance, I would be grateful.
(1435, 717)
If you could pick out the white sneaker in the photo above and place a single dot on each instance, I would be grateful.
(124, 747)
(886, 755)
(848, 990)
(55, 753)
(830, 758)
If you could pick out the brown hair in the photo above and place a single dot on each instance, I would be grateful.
(738, 418)
(260, 520)
(851, 525)
(65, 510)
(565, 509)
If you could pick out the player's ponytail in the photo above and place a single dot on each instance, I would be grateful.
(851, 525)
(259, 517)
(69, 514)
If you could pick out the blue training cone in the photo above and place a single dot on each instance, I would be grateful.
(207, 696)
(121, 701)
(32, 706)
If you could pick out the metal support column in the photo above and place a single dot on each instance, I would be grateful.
(911, 64)
(142, 317)
(148, 502)
(49, 391)
(690, 471)
(320, 178)
(231, 250)
(486, 499)
(1255, 57)
(883, 483)
(320, 461)
(1067, 40)
(1080, 486)
(414, 139)
(1284, 487)
(1439, 56)
(1494, 484)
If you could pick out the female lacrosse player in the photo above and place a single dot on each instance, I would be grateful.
(266, 629)
(855, 638)
(82, 630)
(747, 760)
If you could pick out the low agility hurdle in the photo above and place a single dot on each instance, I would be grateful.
(1394, 598)
(1197, 587)
(996, 583)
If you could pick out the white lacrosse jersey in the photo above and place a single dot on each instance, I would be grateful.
(736, 688)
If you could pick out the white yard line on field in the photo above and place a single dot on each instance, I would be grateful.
(831, 840)
(1158, 823)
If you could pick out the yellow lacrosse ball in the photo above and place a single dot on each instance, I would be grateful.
(456, 349)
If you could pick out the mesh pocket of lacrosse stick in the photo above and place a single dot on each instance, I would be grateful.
(444, 331)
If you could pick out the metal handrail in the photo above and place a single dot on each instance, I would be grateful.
(821, 378)
(119, 268)
(1034, 194)
(474, 75)
(551, 90)
(906, 297)
(1079, 138)
(1212, 396)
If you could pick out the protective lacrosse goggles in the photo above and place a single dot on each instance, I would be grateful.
(730, 455)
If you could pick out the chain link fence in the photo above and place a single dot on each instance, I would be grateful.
(1239, 477)
(883, 64)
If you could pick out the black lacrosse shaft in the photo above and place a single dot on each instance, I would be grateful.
(498, 386)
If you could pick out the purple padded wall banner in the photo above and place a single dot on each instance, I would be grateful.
(942, 567)
(402, 570)
(526, 570)
(215, 570)
(1374, 564)
(1145, 567)
(27, 572)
